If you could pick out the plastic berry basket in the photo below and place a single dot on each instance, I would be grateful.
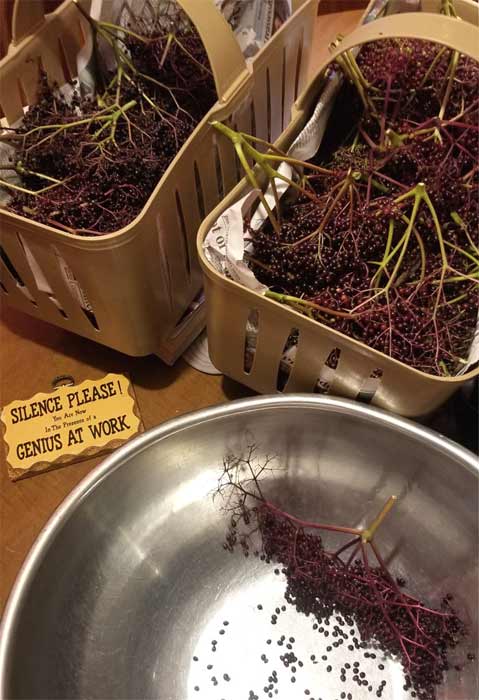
(133, 290)
(231, 307)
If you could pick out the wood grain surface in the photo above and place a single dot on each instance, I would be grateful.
(33, 353)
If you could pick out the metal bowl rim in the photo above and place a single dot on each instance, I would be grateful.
(172, 426)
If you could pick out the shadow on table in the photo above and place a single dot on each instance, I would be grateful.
(233, 390)
(147, 371)
(458, 419)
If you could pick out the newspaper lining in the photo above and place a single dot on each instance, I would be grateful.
(254, 21)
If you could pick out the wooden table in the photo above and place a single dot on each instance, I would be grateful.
(32, 353)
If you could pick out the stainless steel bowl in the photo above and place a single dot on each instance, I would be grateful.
(129, 581)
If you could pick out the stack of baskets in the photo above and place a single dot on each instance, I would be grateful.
(134, 290)
(138, 290)
(231, 308)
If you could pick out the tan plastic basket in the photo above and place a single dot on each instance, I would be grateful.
(130, 289)
(230, 306)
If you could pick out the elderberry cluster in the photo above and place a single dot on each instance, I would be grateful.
(338, 573)
(108, 170)
(404, 281)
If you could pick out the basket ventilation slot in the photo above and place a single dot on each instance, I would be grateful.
(238, 167)
(181, 223)
(41, 68)
(370, 386)
(199, 192)
(298, 66)
(76, 291)
(39, 276)
(253, 119)
(283, 89)
(10, 267)
(250, 340)
(326, 376)
(13, 272)
(64, 62)
(81, 34)
(218, 171)
(268, 104)
(90, 316)
(165, 269)
(21, 93)
(288, 358)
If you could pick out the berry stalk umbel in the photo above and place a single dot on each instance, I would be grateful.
(349, 577)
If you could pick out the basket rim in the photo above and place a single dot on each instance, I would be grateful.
(214, 112)
(241, 189)
(123, 232)
(217, 278)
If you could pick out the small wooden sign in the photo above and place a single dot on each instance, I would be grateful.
(69, 424)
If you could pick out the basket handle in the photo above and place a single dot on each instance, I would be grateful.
(447, 31)
(226, 58)
(296, 4)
